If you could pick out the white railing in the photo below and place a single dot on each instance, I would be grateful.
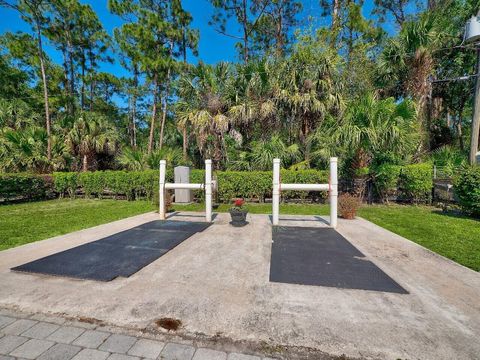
(207, 186)
(331, 187)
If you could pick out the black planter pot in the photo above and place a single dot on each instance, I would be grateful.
(239, 217)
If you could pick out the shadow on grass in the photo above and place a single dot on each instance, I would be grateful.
(457, 214)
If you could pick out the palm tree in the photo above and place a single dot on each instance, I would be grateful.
(204, 107)
(25, 150)
(263, 153)
(370, 127)
(304, 90)
(92, 134)
(407, 63)
(137, 159)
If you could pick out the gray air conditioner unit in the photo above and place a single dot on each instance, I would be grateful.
(472, 30)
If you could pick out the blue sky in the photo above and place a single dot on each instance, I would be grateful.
(213, 47)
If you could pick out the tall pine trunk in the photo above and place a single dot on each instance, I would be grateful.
(154, 114)
(335, 20)
(245, 31)
(184, 132)
(45, 89)
(82, 91)
(134, 107)
(165, 100)
(279, 33)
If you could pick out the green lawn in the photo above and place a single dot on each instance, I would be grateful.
(455, 237)
(28, 222)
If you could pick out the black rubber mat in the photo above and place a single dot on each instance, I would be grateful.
(323, 257)
(121, 254)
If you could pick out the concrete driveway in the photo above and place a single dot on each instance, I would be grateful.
(217, 284)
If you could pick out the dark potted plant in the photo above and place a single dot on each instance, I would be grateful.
(238, 213)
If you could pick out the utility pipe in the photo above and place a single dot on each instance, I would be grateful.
(276, 191)
(161, 189)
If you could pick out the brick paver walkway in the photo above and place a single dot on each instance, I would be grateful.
(55, 338)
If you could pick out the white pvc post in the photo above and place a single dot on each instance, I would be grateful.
(208, 190)
(333, 192)
(276, 191)
(161, 189)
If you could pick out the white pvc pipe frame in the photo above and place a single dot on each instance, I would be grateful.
(208, 186)
(331, 187)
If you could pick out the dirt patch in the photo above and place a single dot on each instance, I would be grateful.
(89, 320)
(169, 324)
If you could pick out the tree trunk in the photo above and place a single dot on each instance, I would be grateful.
(476, 117)
(334, 27)
(154, 114)
(82, 91)
(45, 90)
(66, 82)
(134, 107)
(245, 31)
(72, 70)
(460, 132)
(185, 145)
(184, 132)
(165, 101)
(279, 32)
(92, 79)
(85, 162)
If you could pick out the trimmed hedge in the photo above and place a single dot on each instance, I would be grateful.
(467, 189)
(411, 183)
(415, 183)
(25, 187)
(144, 184)
(407, 183)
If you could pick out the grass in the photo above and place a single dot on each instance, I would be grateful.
(453, 236)
(24, 223)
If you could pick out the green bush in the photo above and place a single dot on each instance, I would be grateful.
(412, 183)
(24, 187)
(66, 183)
(467, 189)
(386, 180)
(144, 184)
(415, 183)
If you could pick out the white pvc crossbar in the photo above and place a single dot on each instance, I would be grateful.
(332, 188)
(184, 186)
(305, 187)
(207, 186)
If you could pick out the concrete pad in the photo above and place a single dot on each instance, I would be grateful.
(216, 282)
